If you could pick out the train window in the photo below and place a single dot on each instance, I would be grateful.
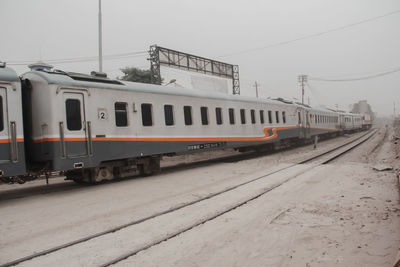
(1, 114)
(204, 115)
(253, 116)
(269, 116)
(187, 111)
(243, 116)
(147, 117)
(218, 115)
(73, 110)
(277, 116)
(283, 116)
(262, 116)
(121, 114)
(169, 115)
(231, 116)
(299, 117)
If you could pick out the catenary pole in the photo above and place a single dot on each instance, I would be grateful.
(100, 41)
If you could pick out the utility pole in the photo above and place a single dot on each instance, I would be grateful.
(256, 86)
(302, 80)
(100, 41)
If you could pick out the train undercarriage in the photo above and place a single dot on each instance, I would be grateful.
(116, 169)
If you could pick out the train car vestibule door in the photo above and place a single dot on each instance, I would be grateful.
(307, 129)
(5, 139)
(75, 137)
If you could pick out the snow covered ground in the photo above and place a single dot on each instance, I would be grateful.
(343, 213)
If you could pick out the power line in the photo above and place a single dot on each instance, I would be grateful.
(312, 35)
(358, 78)
(82, 59)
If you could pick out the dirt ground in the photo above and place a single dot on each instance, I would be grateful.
(340, 214)
(344, 214)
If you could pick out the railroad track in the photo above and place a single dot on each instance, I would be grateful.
(259, 184)
(25, 192)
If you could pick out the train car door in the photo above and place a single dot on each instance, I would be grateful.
(75, 138)
(308, 125)
(5, 139)
(342, 122)
(300, 118)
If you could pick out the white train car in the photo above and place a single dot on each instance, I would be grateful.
(97, 128)
(12, 156)
(366, 121)
(93, 128)
(351, 122)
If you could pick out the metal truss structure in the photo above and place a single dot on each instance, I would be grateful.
(175, 59)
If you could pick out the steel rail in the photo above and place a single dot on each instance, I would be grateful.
(181, 206)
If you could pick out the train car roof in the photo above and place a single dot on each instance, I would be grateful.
(8, 75)
(88, 81)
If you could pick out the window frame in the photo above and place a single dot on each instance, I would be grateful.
(148, 120)
(204, 115)
(188, 115)
(169, 115)
(243, 116)
(262, 118)
(270, 117)
(120, 111)
(68, 115)
(253, 116)
(231, 112)
(218, 115)
(277, 116)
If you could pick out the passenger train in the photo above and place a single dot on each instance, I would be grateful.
(91, 128)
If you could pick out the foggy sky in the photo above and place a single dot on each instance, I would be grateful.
(60, 29)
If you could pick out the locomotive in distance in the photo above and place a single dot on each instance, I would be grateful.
(91, 128)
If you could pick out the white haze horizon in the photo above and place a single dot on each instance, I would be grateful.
(48, 29)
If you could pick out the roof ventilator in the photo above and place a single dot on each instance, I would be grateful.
(99, 74)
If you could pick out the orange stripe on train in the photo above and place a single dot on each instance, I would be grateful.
(267, 136)
(5, 141)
